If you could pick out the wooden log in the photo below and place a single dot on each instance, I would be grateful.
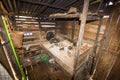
(83, 18)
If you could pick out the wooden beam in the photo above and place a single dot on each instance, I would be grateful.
(95, 45)
(7, 7)
(2, 7)
(83, 18)
(26, 19)
(73, 29)
(15, 6)
(44, 4)
(10, 4)
(28, 23)
(19, 14)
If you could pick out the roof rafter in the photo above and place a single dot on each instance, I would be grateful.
(44, 4)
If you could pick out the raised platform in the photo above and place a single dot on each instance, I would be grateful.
(65, 57)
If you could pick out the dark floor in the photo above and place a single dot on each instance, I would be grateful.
(42, 71)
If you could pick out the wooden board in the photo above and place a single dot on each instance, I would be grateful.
(91, 35)
(108, 65)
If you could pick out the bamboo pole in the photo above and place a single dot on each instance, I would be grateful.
(13, 49)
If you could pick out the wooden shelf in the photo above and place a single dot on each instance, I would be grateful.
(31, 49)
(91, 16)
(30, 61)
(33, 44)
(28, 37)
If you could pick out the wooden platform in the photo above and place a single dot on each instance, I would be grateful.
(65, 58)
(76, 16)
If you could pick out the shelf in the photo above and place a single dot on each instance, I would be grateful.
(69, 16)
(31, 50)
(28, 37)
(91, 16)
(30, 61)
(31, 42)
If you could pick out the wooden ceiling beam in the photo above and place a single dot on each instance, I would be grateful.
(10, 4)
(15, 6)
(20, 14)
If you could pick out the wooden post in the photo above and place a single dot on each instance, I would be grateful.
(94, 56)
(83, 18)
(40, 31)
(73, 29)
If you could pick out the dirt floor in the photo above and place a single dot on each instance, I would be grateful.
(42, 71)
